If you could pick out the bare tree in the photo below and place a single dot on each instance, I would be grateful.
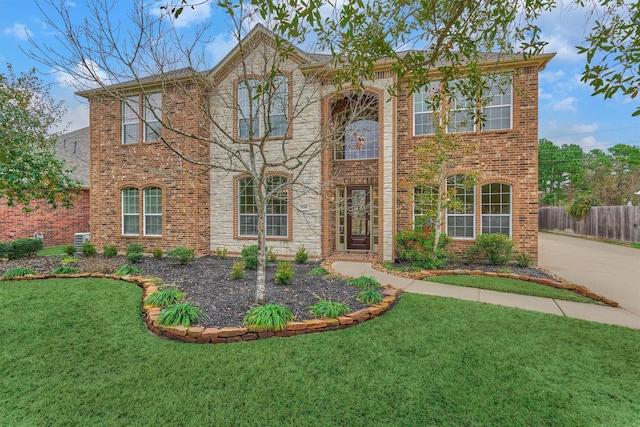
(249, 103)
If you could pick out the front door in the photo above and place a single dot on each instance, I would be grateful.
(358, 207)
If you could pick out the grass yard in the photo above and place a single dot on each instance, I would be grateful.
(76, 353)
(504, 284)
(52, 250)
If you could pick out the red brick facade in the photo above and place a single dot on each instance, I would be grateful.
(57, 225)
(184, 185)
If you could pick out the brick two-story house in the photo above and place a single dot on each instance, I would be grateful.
(347, 200)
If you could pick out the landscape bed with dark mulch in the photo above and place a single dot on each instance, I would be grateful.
(207, 283)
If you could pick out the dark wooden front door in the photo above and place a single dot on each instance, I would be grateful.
(358, 207)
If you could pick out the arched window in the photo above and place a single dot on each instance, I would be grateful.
(496, 208)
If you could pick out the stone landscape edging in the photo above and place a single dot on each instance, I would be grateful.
(559, 284)
(199, 334)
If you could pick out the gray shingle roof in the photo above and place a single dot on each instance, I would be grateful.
(73, 148)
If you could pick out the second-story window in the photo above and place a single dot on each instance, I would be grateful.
(141, 118)
(263, 108)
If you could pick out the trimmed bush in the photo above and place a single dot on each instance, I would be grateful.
(110, 250)
(134, 256)
(268, 317)
(497, 247)
(135, 248)
(181, 255)
(250, 256)
(301, 255)
(416, 247)
(88, 249)
(157, 253)
(523, 259)
(284, 273)
(221, 253)
(21, 248)
(237, 270)
(271, 256)
(69, 249)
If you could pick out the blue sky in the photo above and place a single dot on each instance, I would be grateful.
(567, 111)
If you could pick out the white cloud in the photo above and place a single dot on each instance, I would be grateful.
(18, 31)
(584, 128)
(221, 46)
(566, 104)
(86, 76)
(551, 76)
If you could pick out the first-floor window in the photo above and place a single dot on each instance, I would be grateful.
(130, 211)
(152, 208)
(276, 209)
(496, 208)
(461, 221)
(152, 211)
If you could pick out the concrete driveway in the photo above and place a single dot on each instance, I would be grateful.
(609, 270)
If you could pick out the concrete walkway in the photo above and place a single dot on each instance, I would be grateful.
(592, 312)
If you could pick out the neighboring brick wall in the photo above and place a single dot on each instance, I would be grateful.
(508, 156)
(185, 186)
(57, 225)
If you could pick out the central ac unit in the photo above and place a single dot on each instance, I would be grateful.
(78, 240)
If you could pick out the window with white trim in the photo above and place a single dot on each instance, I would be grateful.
(496, 208)
(461, 110)
(497, 110)
(424, 197)
(276, 209)
(268, 99)
(461, 222)
(152, 117)
(152, 211)
(130, 211)
(130, 120)
(423, 109)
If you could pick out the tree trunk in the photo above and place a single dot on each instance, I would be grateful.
(261, 280)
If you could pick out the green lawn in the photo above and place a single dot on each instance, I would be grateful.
(513, 286)
(52, 250)
(76, 353)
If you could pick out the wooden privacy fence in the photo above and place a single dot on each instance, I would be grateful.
(621, 223)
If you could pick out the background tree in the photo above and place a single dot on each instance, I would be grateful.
(29, 170)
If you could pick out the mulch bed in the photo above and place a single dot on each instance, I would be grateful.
(207, 283)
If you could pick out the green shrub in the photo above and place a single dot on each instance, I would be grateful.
(284, 273)
(271, 256)
(69, 260)
(21, 248)
(301, 255)
(237, 270)
(221, 253)
(497, 247)
(370, 297)
(582, 204)
(416, 247)
(523, 259)
(88, 249)
(134, 256)
(364, 282)
(180, 314)
(472, 254)
(250, 256)
(135, 248)
(65, 269)
(164, 297)
(110, 250)
(266, 317)
(69, 249)
(157, 253)
(127, 270)
(329, 309)
(181, 255)
(18, 272)
(319, 271)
